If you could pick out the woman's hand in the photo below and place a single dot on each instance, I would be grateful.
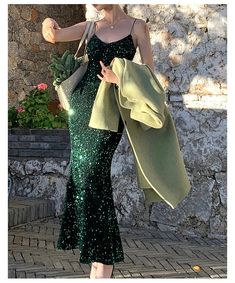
(108, 75)
(48, 29)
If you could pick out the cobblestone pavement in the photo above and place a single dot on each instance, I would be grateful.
(149, 253)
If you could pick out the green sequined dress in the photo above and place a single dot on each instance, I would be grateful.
(89, 221)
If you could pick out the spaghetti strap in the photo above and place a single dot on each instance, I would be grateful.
(132, 25)
(95, 26)
(93, 30)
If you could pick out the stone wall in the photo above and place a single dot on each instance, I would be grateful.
(202, 138)
(28, 51)
(39, 163)
(189, 44)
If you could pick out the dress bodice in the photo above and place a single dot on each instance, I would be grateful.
(99, 50)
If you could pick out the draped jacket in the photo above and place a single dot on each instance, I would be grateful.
(140, 102)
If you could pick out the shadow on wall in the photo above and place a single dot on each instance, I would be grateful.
(189, 45)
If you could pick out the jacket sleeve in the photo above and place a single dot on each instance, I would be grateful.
(140, 92)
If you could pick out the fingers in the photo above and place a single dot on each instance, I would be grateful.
(105, 68)
(104, 71)
(102, 65)
(48, 22)
(56, 26)
(100, 77)
(48, 29)
(49, 34)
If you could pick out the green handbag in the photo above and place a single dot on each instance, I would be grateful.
(69, 69)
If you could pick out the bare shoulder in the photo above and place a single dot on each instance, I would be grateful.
(140, 21)
(140, 25)
(140, 30)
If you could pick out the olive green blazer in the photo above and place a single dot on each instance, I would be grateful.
(140, 102)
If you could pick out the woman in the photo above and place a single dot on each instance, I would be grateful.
(89, 221)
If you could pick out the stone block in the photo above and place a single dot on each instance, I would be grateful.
(32, 212)
(12, 138)
(16, 212)
(10, 218)
(28, 138)
(13, 152)
(16, 145)
(221, 179)
(41, 210)
(31, 153)
(33, 167)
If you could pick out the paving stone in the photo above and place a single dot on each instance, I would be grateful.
(23, 210)
(145, 261)
(75, 265)
(11, 273)
(27, 257)
(25, 241)
(126, 274)
(32, 253)
(18, 256)
(20, 274)
(58, 264)
(33, 242)
(30, 275)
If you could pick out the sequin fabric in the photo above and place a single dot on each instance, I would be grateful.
(89, 220)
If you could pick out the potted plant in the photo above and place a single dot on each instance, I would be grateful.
(37, 110)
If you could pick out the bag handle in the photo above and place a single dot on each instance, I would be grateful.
(89, 34)
(86, 34)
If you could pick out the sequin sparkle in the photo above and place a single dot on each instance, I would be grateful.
(89, 222)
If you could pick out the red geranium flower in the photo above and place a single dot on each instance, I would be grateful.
(42, 86)
(20, 109)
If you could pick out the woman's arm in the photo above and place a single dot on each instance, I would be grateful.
(143, 41)
(52, 32)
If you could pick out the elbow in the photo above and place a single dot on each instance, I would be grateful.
(150, 64)
(152, 67)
